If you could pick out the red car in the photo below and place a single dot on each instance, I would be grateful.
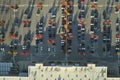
(38, 36)
(25, 21)
(82, 1)
(52, 22)
(51, 41)
(1, 40)
(14, 6)
(25, 52)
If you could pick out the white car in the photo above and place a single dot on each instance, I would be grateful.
(62, 8)
(2, 49)
(53, 26)
(91, 32)
(41, 48)
(117, 48)
(117, 40)
(49, 49)
(53, 16)
(24, 47)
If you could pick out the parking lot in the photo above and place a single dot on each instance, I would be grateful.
(78, 31)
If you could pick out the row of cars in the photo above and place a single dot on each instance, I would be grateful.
(117, 47)
(29, 9)
(80, 3)
(3, 30)
(39, 35)
(27, 23)
(39, 31)
(52, 28)
(28, 12)
(70, 30)
(2, 34)
(2, 37)
(66, 35)
(27, 43)
(94, 27)
(81, 29)
(13, 34)
(107, 29)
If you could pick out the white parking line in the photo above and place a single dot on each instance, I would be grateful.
(55, 5)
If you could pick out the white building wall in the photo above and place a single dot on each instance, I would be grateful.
(113, 78)
(40, 72)
(68, 73)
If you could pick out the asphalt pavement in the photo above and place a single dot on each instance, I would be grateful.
(43, 55)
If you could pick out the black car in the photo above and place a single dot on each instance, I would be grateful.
(70, 9)
(117, 20)
(92, 49)
(117, 47)
(81, 15)
(92, 29)
(62, 29)
(63, 22)
(63, 44)
(42, 20)
(92, 21)
(16, 20)
(29, 24)
(82, 49)
(96, 14)
(30, 14)
(39, 41)
(106, 38)
(69, 49)
(108, 47)
(117, 28)
(107, 29)
(79, 4)
(70, 19)
(54, 14)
